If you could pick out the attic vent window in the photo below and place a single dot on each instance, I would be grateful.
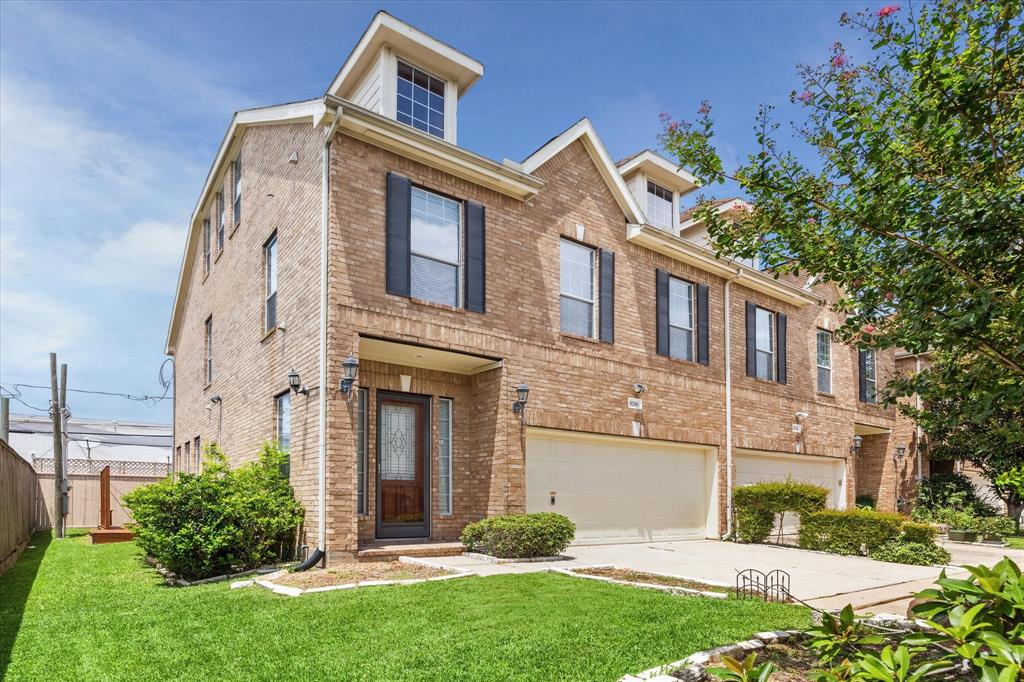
(420, 100)
(659, 205)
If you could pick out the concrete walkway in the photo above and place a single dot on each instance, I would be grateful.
(814, 576)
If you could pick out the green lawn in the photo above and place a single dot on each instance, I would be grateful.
(1015, 541)
(73, 611)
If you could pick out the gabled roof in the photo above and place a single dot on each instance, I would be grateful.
(660, 170)
(583, 130)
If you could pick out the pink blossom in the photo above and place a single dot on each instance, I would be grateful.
(806, 96)
(887, 10)
(869, 328)
(840, 60)
(812, 221)
(888, 296)
(704, 109)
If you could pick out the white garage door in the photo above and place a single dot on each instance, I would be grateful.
(828, 472)
(618, 489)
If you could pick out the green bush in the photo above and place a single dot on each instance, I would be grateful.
(756, 505)
(948, 492)
(520, 536)
(220, 520)
(865, 502)
(919, 532)
(851, 531)
(997, 526)
(900, 551)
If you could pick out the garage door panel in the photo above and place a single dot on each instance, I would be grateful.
(618, 491)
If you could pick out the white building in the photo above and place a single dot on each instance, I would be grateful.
(95, 439)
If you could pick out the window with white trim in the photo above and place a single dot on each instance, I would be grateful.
(576, 276)
(870, 377)
(236, 166)
(197, 452)
(659, 205)
(436, 248)
(444, 456)
(283, 429)
(206, 246)
(187, 462)
(764, 344)
(220, 222)
(361, 440)
(420, 102)
(824, 361)
(680, 319)
(270, 272)
(208, 346)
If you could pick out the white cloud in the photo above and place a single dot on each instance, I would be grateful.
(35, 324)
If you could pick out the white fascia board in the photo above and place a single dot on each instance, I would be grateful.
(662, 171)
(584, 131)
(281, 113)
(728, 206)
(385, 29)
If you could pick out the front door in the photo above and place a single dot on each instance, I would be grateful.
(403, 465)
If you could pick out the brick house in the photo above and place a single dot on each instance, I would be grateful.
(654, 377)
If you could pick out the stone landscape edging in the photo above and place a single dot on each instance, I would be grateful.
(173, 580)
(505, 560)
(671, 589)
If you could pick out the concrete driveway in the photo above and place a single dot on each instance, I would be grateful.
(824, 580)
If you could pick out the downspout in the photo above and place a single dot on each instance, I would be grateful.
(917, 427)
(321, 535)
(728, 407)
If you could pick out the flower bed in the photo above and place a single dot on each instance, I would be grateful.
(405, 571)
(652, 581)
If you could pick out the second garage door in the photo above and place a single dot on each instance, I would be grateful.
(619, 489)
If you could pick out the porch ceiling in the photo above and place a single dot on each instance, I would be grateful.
(424, 357)
(869, 430)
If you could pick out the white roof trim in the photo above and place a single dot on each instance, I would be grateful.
(661, 170)
(728, 206)
(584, 131)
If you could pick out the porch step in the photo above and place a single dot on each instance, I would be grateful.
(392, 550)
(103, 536)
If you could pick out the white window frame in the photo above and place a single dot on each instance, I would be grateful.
(823, 334)
(592, 301)
(459, 263)
(281, 425)
(236, 204)
(220, 222)
(771, 351)
(206, 246)
(197, 454)
(362, 439)
(444, 457)
(271, 263)
(399, 62)
(871, 379)
(653, 200)
(208, 342)
(693, 318)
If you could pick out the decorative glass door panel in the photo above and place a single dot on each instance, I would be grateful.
(402, 498)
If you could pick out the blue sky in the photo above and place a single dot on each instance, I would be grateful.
(110, 114)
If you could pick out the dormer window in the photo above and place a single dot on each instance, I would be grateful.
(420, 100)
(659, 205)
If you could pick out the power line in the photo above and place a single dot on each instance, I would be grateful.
(114, 394)
(17, 396)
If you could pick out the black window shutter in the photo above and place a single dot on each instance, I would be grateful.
(476, 261)
(780, 346)
(398, 229)
(861, 375)
(702, 324)
(606, 311)
(751, 339)
(661, 296)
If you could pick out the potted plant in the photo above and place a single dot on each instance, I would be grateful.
(963, 526)
(995, 528)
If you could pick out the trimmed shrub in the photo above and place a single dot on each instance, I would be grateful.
(915, 553)
(520, 536)
(218, 521)
(919, 532)
(865, 502)
(851, 531)
(997, 526)
(756, 505)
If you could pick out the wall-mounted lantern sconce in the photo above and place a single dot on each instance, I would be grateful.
(350, 370)
(855, 448)
(295, 383)
(522, 394)
(899, 453)
(215, 400)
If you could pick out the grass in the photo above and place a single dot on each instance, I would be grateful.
(115, 620)
(1015, 541)
(651, 579)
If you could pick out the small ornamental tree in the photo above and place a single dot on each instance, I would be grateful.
(913, 208)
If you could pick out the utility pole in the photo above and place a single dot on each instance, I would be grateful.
(58, 454)
(64, 454)
(5, 419)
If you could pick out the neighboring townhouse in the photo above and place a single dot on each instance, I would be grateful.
(437, 337)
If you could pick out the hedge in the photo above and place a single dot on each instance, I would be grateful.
(851, 531)
(756, 505)
(915, 553)
(919, 532)
(520, 536)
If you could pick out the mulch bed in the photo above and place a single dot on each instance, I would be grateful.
(650, 578)
(358, 572)
(792, 662)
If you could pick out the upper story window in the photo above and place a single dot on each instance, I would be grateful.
(420, 100)
(270, 271)
(680, 319)
(764, 344)
(577, 288)
(206, 246)
(236, 169)
(435, 248)
(869, 376)
(824, 361)
(208, 349)
(659, 205)
(220, 222)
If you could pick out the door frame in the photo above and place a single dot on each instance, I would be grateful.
(415, 529)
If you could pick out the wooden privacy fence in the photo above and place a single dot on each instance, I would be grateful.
(19, 488)
(84, 498)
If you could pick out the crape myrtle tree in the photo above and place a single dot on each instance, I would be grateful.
(913, 208)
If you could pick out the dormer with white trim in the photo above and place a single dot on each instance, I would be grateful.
(656, 183)
(402, 73)
(695, 230)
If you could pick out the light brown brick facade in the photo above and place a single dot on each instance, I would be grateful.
(576, 384)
